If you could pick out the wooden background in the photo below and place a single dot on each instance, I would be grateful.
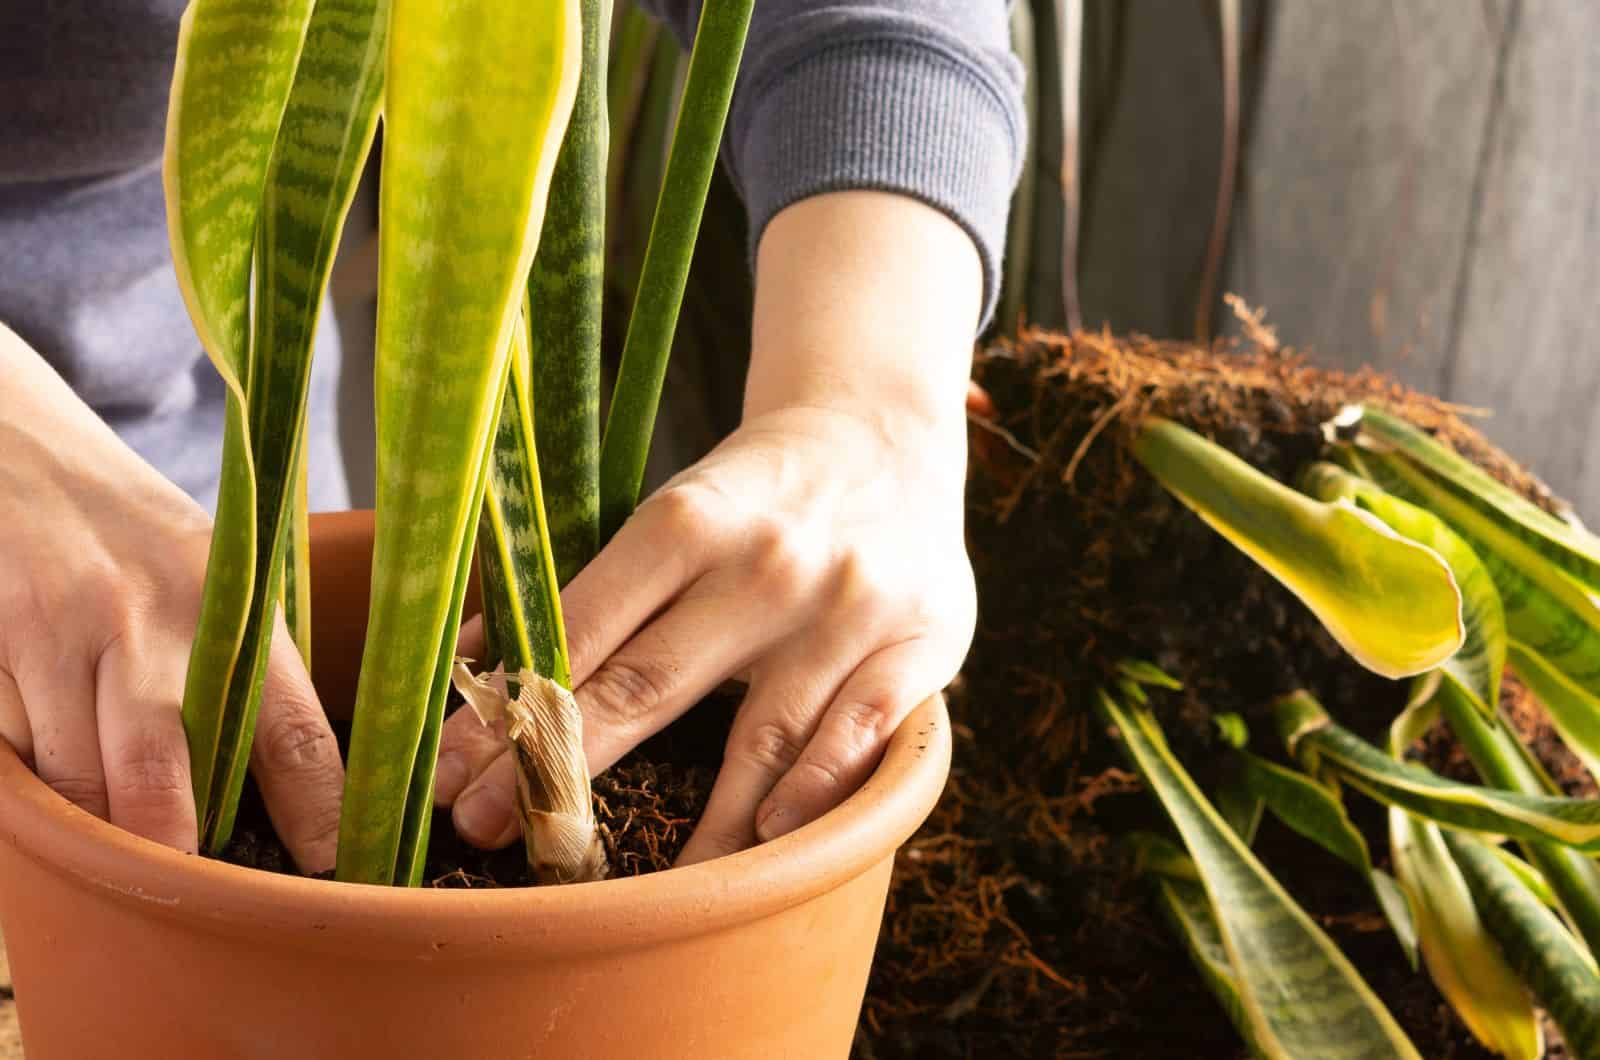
(1418, 191)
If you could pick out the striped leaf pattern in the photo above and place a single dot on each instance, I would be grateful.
(1568, 547)
(1553, 617)
(566, 294)
(1462, 957)
(322, 145)
(1189, 911)
(1547, 958)
(520, 587)
(273, 111)
(236, 60)
(1299, 995)
(1503, 762)
(1324, 747)
(1469, 697)
(478, 97)
(1315, 811)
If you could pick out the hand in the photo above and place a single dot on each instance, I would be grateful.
(100, 577)
(818, 550)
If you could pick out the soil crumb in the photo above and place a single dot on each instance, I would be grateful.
(646, 806)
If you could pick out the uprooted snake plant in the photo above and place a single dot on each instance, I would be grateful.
(487, 376)
(1421, 566)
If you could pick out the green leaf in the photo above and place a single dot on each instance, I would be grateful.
(566, 293)
(1568, 547)
(1529, 877)
(1314, 811)
(1299, 995)
(235, 65)
(1390, 603)
(1504, 763)
(1481, 660)
(708, 91)
(1240, 807)
(1156, 855)
(1187, 908)
(1553, 618)
(1147, 673)
(478, 97)
(641, 137)
(297, 565)
(1324, 747)
(252, 170)
(1534, 943)
(1573, 708)
(1189, 911)
(1461, 956)
(236, 62)
(520, 586)
(1232, 729)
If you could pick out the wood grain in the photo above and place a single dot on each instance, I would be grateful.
(1417, 193)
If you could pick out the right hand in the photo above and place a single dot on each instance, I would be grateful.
(101, 566)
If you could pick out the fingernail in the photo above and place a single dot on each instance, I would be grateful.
(774, 821)
(450, 776)
(483, 815)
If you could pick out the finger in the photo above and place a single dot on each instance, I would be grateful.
(66, 741)
(659, 552)
(139, 707)
(779, 715)
(295, 759)
(485, 814)
(853, 733)
(14, 719)
(706, 637)
(466, 747)
(763, 745)
(470, 641)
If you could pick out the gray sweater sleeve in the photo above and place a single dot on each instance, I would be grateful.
(921, 97)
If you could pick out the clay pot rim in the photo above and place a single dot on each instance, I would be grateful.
(392, 922)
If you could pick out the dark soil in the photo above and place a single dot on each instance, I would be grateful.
(646, 806)
(1014, 928)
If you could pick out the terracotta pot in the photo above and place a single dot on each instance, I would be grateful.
(122, 948)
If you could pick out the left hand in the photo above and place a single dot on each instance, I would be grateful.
(818, 550)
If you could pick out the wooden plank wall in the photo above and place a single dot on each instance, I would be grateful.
(1420, 191)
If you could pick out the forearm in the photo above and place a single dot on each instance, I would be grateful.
(866, 302)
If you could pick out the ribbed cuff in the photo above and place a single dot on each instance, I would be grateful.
(884, 113)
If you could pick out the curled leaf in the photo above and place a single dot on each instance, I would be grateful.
(1391, 603)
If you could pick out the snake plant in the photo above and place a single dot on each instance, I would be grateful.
(487, 376)
(1290, 990)
(1526, 590)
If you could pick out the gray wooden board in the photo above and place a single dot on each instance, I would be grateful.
(1419, 192)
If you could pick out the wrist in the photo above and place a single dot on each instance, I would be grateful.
(865, 304)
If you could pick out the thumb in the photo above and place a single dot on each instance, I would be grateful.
(295, 759)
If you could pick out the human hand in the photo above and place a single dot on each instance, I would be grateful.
(818, 553)
(818, 550)
(100, 579)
